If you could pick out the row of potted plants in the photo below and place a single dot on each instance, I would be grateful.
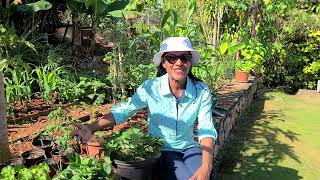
(132, 154)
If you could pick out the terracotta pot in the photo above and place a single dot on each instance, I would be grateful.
(33, 157)
(57, 156)
(241, 77)
(91, 149)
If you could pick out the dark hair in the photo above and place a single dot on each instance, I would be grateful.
(162, 71)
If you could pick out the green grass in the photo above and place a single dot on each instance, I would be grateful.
(278, 137)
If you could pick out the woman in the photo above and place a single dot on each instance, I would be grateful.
(174, 100)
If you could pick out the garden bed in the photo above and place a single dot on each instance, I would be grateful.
(32, 110)
(21, 135)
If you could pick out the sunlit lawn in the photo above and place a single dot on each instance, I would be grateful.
(278, 137)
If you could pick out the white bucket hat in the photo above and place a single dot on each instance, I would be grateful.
(176, 44)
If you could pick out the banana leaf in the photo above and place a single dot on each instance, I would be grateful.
(35, 7)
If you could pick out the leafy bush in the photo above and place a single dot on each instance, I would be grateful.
(215, 69)
(244, 65)
(36, 172)
(93, 88)
(86, 168)
(294, 57)
(10, 41)
(64, 142)
(132, 144)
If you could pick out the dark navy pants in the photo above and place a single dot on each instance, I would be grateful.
(180, 165)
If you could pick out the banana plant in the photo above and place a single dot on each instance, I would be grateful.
(41, 5)
(97, 9)
(35, 7)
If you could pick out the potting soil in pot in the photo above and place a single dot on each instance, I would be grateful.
(33, 157)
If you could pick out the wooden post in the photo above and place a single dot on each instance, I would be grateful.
(4, 142)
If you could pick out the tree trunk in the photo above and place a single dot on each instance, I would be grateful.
(93, 39)
(121, 71)
(253, 14)
(215, 27)
(4, 143)
(76, 29)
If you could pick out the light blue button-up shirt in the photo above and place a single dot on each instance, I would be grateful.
(168, 118)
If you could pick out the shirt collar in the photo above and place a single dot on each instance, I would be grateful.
(190, 91)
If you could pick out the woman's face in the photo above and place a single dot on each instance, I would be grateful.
(177, 64)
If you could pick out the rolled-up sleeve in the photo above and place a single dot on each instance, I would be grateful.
(124, 110)
(205, 119)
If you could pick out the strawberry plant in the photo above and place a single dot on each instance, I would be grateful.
(86, 168)
(132, 144)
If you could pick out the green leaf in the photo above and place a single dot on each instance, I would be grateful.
(191, 8)
(123, 13)
(174, 23)
(91, 96)
(233, 49)
(35, 7)
(223, 48)
(102, 7)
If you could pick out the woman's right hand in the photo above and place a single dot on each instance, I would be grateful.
(83, 131)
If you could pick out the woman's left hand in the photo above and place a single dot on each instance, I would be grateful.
(201, 174)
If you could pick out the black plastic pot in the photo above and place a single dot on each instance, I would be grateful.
(17, 161)
(33, 157)
(136, 170)
(44, 143)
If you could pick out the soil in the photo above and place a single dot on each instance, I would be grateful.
(34, 156)
(21, 131)
(32, 106)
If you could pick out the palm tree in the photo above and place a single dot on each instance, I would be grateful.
(4, 143)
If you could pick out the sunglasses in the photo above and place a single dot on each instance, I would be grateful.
(171, 58)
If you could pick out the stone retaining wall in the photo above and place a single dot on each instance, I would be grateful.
(231, 101)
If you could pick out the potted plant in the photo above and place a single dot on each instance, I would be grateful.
(134, 153)
(92, 148)
(43, 142)
(33, 156)
(242, 70)
(64, 147)
(86, 168)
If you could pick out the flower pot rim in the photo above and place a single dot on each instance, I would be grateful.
(41, 151)
(137, 161)
(92, 144)
(46, 146)
(237, 71)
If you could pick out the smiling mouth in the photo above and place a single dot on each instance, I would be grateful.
(179, 71)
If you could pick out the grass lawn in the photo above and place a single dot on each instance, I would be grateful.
(277, 138)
